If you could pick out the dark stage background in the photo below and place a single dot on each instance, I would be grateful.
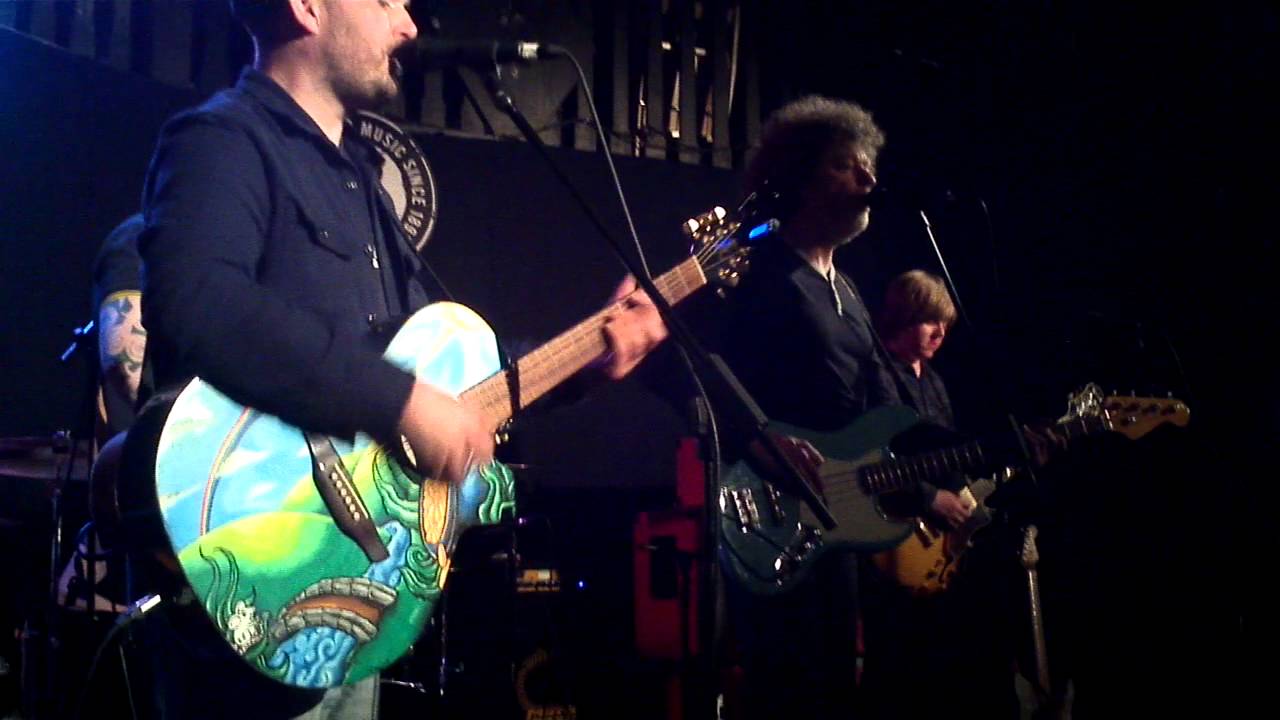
(1097, 178)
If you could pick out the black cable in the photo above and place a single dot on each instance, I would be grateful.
(710, 520)
(137, 610)
(747, 415)
(128, 684)
(991, 245)
(1177, 361)
(993, 361)
(93, 666)
(608, 157)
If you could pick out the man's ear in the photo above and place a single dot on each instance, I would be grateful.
(307, 14)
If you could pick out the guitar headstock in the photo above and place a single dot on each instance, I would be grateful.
(1029, 555)
(721, 240)
(1129, 415)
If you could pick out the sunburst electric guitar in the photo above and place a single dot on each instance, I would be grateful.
(771, 537)
(927, 560)
(320, 560)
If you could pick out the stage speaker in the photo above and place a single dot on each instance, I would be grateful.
(666, 584)
(502, 626)
(667, 545)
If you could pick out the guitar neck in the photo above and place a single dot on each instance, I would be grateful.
(907, 472)
(545, 368)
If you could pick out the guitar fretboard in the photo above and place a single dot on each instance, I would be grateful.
(902, 473)
(545, 368)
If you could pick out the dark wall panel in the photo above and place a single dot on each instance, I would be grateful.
(78, 136)
(511, 242)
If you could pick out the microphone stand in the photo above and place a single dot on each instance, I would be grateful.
(960, 307)
(726, 392)
(41, 692)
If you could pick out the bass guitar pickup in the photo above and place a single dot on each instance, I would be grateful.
(743, 503)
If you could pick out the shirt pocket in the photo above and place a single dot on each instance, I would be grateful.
(323, 230)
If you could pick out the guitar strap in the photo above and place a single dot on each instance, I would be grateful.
(900, 383)
(878, 345)
(342, 498)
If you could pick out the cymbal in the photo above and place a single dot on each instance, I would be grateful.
(42, 458)
(12, 445)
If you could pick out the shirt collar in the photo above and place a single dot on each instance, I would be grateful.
(280, 103)
(262, 88)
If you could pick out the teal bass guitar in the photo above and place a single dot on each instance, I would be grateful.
(771, 538)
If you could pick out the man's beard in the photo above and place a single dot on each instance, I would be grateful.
(371, 91)
(857, 226)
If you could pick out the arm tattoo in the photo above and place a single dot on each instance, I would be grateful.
(121, 343)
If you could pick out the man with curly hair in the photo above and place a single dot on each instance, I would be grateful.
(800, 339)
(800, 336)
(802, 342)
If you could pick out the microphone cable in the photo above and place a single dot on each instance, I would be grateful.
(134, 612)
(608, 156)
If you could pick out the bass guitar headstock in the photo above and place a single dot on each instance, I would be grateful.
(1130, 415)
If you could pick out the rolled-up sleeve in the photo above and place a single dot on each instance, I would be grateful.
(208, 211)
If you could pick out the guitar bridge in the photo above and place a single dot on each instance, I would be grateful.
(775, 502)
(341, 496)
(804, 543)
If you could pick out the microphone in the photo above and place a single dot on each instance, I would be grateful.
(482, 54)
(898, 193)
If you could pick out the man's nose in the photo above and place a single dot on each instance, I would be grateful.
(406, 27)
(866, 177)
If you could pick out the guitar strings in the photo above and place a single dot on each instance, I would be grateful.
(554, 362)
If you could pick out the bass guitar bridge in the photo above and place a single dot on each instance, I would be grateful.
(796, 553)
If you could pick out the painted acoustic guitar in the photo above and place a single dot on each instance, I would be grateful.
(772, 539)
(320, 569)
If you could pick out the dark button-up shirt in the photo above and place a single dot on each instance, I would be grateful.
(926, 394)
(802, 345)
(268, 254)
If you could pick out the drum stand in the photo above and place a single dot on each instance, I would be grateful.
(41, 689)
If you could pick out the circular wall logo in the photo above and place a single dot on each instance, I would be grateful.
(405, 176)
